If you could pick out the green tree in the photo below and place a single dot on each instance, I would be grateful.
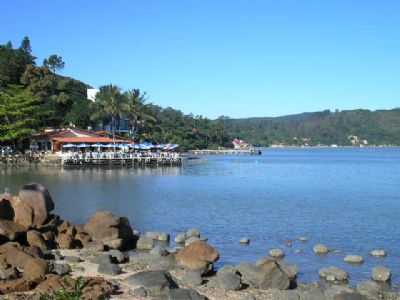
(54, 63)
(19, 114)
(109, 104)
(138, 112)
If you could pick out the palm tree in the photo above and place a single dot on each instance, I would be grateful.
(109, 104)
(137, 111)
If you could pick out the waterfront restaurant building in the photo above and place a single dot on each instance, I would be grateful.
(53, 140)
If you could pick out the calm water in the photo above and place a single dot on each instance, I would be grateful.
(348, 199)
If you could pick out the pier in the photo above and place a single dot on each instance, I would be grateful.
(227, 152)
(127, 160)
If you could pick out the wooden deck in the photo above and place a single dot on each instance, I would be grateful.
(123, 162)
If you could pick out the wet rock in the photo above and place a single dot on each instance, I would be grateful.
(353, 259)
(36, 199)
(381, 274)
(320, 249)
(109, 269)
(10, 231)
(378, 253)
(145, 243)
(276, 253)
(105, 226)
(229, 280)
(155, 283)
(180, 238)
(184, 294)
(35, 238)
(333, 275)
(193, 233)
(197, 256)
(244, 241)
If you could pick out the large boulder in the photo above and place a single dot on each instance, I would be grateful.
(103, 226)
(36, 239)
(197, 256)
(32, 206)
(265, 275)
(10, 231)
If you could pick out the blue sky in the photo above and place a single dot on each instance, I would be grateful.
(236, 58)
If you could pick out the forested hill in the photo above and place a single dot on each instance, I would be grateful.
(381, 127)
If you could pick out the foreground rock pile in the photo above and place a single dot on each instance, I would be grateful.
(41, 254)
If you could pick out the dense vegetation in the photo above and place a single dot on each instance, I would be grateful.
(381, 127)
(34, 96)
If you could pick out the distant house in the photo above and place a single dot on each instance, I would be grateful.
(239, 144)
(54, 139)
(91, 94)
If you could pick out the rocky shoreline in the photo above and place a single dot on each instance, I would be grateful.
(45, 257)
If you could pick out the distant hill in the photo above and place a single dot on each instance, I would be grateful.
(381, 127)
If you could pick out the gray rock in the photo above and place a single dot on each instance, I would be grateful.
(244, 241)
(333, 275)
(155, 283)
(276, 253)
(193, 233)
(381, 274)
(332, 291)
(102, 259)
(140, 292)
(61, 269)
(353, 259)
(158, 250)
(109, 269)
(8, 273)
(228, 280)
(72, 259)
(184, 294)
(192, 278)
(145, 243)
(290, 270)
(118, 256)
(378, 253)
(180, 238)
(320, 249)
(370, 289)
(264, 276)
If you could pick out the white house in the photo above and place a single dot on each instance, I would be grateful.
(91, 94)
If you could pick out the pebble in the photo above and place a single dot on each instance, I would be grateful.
(244, 241)
(354, 259)
(378, 253)
(320, 249)
(276, 253)
(381, 274)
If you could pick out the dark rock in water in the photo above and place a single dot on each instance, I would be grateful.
(10, 231)
(37, 200)
(228, 280)
(184, 294)
(155, 283)
(109, 269)
(104, 225)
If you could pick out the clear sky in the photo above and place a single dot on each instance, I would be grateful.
(226, 57)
